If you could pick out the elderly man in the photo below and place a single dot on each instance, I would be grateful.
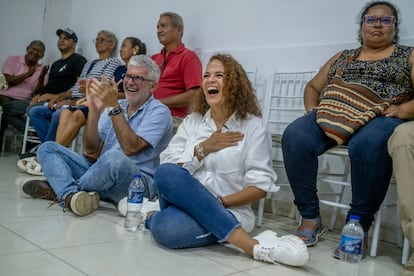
(124, 140)
(24, 76)
(181, 69)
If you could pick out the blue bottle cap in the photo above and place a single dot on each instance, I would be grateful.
(137, 175)
(354, 217)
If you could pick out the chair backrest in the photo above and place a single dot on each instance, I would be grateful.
(252, 75)
(284, 102)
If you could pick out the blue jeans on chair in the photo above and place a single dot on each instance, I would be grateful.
(45, 121)
(68, 172)
(371, 166)
(190, 215)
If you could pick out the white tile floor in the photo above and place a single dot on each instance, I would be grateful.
(37, 240)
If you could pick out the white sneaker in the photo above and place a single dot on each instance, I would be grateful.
(289, 249)
(122, 206)
(147, 206)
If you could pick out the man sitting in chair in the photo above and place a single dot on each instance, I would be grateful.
(62, 76)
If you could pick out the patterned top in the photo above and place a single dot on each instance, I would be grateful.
(389, 77)
(95, 69)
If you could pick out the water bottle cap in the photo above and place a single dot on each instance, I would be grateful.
(138, 175)
(354, 217)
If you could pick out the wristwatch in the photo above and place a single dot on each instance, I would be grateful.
(114, 110)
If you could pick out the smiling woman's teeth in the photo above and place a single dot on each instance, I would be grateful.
(212, 90)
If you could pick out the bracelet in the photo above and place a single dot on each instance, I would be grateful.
(200, 150)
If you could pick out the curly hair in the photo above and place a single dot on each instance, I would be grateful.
(237, 88)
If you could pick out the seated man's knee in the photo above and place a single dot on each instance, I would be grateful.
(403, 135)
(34, 111)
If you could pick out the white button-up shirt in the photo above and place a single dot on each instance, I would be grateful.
(231, 169)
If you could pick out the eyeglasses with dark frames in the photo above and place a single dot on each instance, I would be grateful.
(385, 20)
(138, 80)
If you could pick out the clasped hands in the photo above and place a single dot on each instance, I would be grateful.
(101, 94)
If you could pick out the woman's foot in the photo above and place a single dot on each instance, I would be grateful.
(310, 230)
(289, 249)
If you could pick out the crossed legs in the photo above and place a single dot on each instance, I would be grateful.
(70, 123)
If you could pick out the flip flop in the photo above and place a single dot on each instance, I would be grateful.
(311, 235)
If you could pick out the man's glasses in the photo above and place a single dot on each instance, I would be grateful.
(138, 80)
(385, 20)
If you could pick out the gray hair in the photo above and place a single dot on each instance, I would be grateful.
(38, 43)
(176, 19)
(145, 61)
(111, 37)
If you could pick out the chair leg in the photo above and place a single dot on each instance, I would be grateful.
(375, 235)
(260, 212)
(405, 252)
(25, 134)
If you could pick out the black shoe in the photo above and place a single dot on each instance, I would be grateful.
(39, 189)
(26, 154)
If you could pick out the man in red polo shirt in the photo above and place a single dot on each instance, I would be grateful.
(181, 69)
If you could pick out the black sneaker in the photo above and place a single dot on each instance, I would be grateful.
(39, 189)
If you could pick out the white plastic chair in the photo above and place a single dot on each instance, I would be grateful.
(406, 252)
(252, 75)
(282, 105)
(29, 135)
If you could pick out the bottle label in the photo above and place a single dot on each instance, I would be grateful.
(136, 196)
(351, 245)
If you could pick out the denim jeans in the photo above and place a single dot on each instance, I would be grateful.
(371, 166)
(45, 121)
(68, 172)
(190, 215)
(13, 113)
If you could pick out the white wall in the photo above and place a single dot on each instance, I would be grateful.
(266, 34)
(287, 35)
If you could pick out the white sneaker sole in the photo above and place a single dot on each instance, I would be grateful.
(84, 203)
(289, 249)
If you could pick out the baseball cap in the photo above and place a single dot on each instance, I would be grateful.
(69, 32)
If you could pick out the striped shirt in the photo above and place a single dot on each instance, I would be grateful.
(95, 69)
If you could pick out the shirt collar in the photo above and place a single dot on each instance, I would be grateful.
(124, 104)
(231, 124)
(177, 50)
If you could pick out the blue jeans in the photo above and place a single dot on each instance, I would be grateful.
(371, 166)
(68, 172)
(13, 113)
(45, 121)
(190, 215)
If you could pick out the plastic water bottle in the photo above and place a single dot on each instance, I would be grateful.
(133, 216)
(351, 241)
